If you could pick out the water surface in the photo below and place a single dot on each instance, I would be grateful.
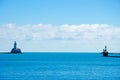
(59, 66)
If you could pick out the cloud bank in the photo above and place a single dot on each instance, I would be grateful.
(62, 32)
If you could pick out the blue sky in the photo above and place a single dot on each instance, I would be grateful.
(60, 11)
(60, 25)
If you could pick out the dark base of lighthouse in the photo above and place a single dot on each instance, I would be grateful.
(105, 54)
(15, 51)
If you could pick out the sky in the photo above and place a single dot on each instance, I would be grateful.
(60, 25)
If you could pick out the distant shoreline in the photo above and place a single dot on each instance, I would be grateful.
(56, 52)
(5, 52)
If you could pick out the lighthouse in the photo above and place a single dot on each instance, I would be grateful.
(105, 52)
(15, 49)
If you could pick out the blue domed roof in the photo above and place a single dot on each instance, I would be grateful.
(17, 50)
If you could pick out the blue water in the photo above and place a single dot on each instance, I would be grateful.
(59, 66)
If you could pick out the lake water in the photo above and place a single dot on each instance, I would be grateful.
(59, 66)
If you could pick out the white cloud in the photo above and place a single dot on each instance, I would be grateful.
(62, 32)
(47, 37)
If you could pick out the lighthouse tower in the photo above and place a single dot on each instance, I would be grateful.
(15, 49)
(15, 45)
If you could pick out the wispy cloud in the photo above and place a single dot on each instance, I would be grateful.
(62, 32)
